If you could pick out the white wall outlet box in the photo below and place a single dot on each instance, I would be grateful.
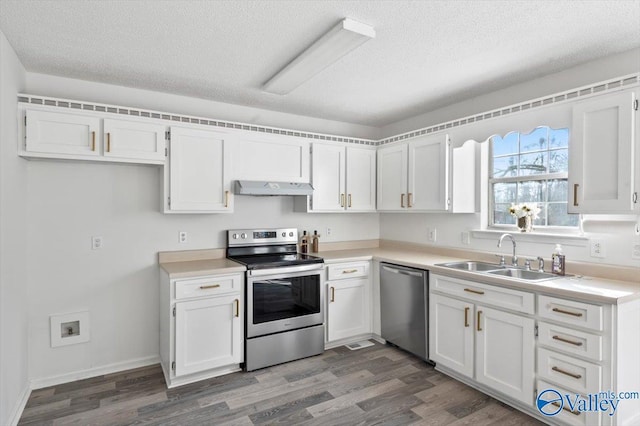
(465, 238)
(431, 234)
(182, 237)
(96, 243)
(69, 329)
(635, 251)
(328, 232)
(598, 249)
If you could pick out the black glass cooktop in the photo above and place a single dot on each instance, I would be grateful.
(266, 261)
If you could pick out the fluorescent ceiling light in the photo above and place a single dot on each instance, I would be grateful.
(339, 41)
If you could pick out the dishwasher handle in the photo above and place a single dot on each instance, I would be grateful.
(402, 271)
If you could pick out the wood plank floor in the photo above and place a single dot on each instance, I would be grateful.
(375, 385)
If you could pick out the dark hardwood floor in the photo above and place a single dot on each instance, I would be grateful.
(374, 385)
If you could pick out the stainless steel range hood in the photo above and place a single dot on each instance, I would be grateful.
(255, 187)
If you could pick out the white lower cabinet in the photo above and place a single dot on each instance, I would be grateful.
(348, 301)
(490, 346)
(201, 327)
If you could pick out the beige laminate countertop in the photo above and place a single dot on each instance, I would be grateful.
(195, 268)
(576, 287)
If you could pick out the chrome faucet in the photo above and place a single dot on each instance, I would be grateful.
(514, 258)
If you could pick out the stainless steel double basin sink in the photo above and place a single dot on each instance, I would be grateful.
(504, 271)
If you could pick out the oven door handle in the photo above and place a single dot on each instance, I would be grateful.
(285, 270)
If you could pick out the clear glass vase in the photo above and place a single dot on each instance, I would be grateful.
(525, 224)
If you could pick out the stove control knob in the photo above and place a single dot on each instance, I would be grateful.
(284, 234)
(235, 236)
(243, 235)
(291, 234)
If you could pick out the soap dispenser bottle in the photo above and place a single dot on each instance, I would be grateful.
(558, 261)
(304, 243)
(315, 242)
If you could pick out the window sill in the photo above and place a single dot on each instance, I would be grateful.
(533, 237)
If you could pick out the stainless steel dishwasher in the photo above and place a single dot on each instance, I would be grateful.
(403, 308)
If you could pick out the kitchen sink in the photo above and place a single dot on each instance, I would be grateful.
(523, 274)
(473, 266)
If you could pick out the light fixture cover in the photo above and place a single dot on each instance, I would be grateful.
(336, 43)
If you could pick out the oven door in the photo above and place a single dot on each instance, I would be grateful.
(280, 301)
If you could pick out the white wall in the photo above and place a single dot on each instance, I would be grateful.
(13, 247)
(68, 202)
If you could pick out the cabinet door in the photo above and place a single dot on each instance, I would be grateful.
(208, 334)
(601, 155)
(392, 178)
(348, 312)
(276, 158)
(134, 140)
(327, 178)
(505, 345)
(198, 171)
(361, 179)
(429, 173)
(451, 333)
(63, 133)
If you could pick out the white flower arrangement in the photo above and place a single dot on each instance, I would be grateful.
(524, 209)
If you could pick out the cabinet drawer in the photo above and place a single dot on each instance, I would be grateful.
(207, 286)
(570, 312)
(574, 418)
(580, 376)
(347, 270)
(504, 298)
(572, 341)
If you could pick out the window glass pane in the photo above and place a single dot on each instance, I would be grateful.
(501, 214)
(504, 193)
(533, 164)
(534, 141)
(559, 160)
(558, 138)
(506, 145)
(505, 167)
(558, 190)
(558, 215)
(531, 191)
(542, 216)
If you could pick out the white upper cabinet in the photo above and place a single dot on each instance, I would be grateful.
(68, 135)
(133, 139)
(414, 176)
(465, 174)
(197, 178)
(343, 179)
(276, 158)
(62, 133)
(601, 155)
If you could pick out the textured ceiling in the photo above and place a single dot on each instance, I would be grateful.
(426, 54)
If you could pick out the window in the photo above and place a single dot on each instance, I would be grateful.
(531, 168)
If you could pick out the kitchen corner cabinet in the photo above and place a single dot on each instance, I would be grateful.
(66, 135)
(414, 176)
(348, 298)
(490, 346)
(343, 179)
(601, 155)
(197, 179)
(201, 327)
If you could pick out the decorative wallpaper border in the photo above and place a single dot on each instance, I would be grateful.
(565, 96)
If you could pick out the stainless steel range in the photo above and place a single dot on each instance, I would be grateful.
(284, 315)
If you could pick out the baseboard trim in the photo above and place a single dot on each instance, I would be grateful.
(14, 418)
(93, 372)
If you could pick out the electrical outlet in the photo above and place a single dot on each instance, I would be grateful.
(635, 251)
(598, 249)
(328, 232)
(96, 243)
(431, 234)
(465, 238)
(182, 237)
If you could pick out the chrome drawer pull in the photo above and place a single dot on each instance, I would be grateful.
(561, 311)
(575, 376)
(571, 342)
(204, 287)
(473, 291)
(575, 413)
